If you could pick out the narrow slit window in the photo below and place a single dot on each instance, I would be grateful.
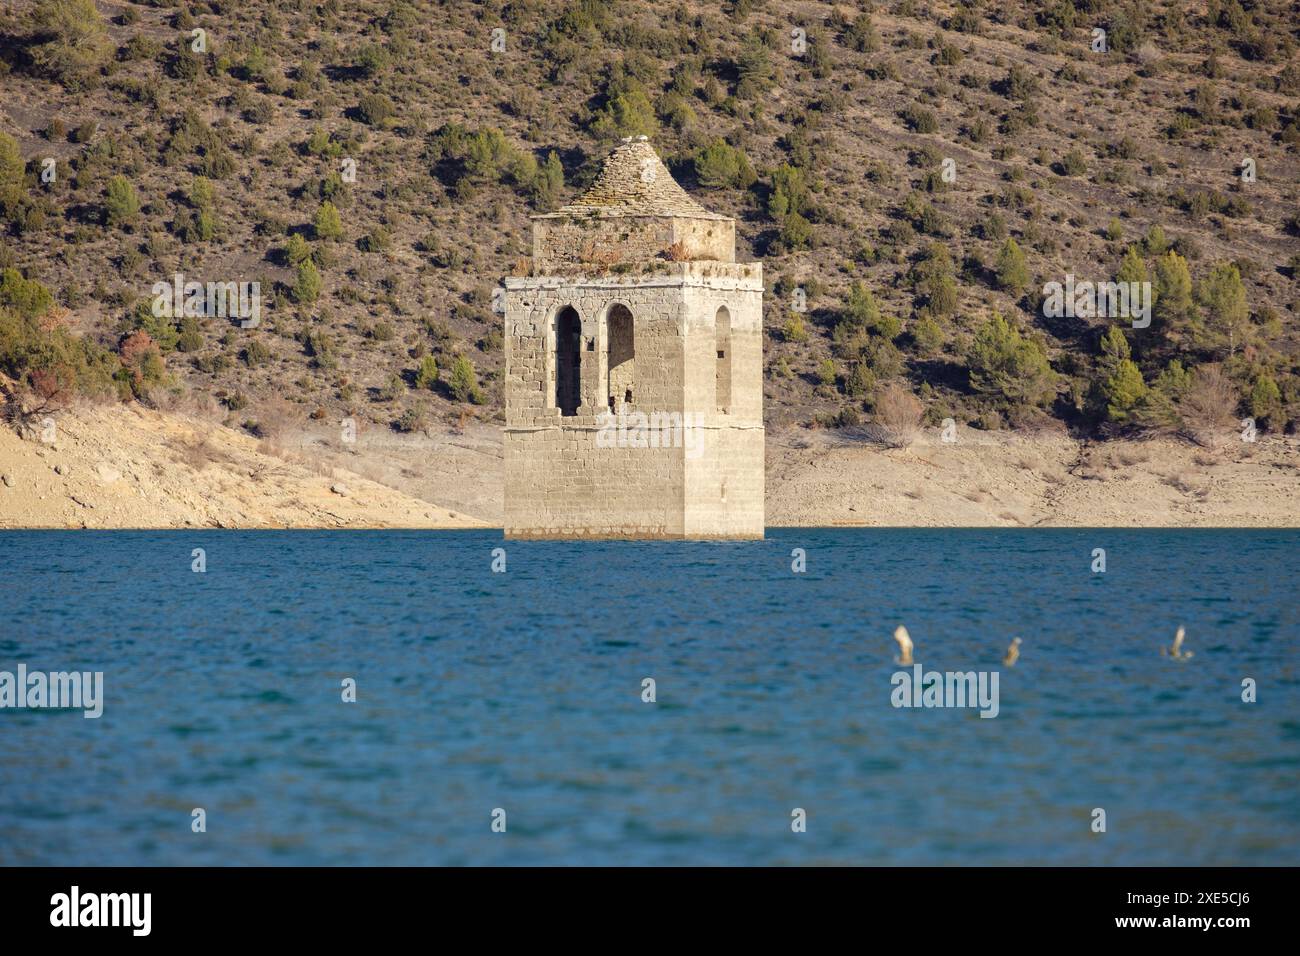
(722, 334)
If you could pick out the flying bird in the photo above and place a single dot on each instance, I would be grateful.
(1013, 653)
(904, 645)
(1176, 649)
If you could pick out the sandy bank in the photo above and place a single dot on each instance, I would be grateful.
(129, 467)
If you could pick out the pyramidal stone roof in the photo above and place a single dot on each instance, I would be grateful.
(635, 182)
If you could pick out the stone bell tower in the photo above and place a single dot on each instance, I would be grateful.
(634, 367)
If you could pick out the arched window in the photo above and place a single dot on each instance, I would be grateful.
(722, 339)
(620, 355)
(568, 361)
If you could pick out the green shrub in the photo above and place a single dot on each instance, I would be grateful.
(1155, 243)
(256, 354)
(185, 64)
(122, 205)
(1266, 400)
(860, 381)
(411, 420)
(927, 335)
(307, 283)
(217, 163)
(297, 250)
(71, 41)
(789, 193)
(26, 297)
(1072, 164)
(320, 143)
(1133, 268)
(826, 372)
(720, 164)
(628, 113)
(377, 240)
(44, 354)
(754, 67)
(371, 60)
(920, 120)
(426, 376)
(861, 35)
(1012, 269)
(795, 330)
(933, 278)
(190, 339)
(327, 224)
(547, 185)
(375, 109)
(11, 162)
(1019, 83)
(198, 225)
(796, 232)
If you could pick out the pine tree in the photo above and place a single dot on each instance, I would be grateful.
(1114, 350)
(1173, 291)
(1132, 269)
(463, 381)
(1004, 363)
(72, 42)
(1124, 390)
(327, 224)
(1226, 317)
(122, 206)
(307, 285)
(1013, 270)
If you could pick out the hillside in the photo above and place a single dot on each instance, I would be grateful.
(372, 165)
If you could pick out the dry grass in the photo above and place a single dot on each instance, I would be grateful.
(1209, 407)
(898, 416)
(1130, 455)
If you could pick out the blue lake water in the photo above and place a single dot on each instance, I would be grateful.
(522, 691)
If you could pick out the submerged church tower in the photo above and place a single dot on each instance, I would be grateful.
(634, 367)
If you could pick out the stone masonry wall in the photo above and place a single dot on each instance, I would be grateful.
(562, 241)
(566, 477)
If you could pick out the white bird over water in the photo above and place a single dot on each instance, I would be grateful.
(1013, 653)
(1176, 649)
(904, 645)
